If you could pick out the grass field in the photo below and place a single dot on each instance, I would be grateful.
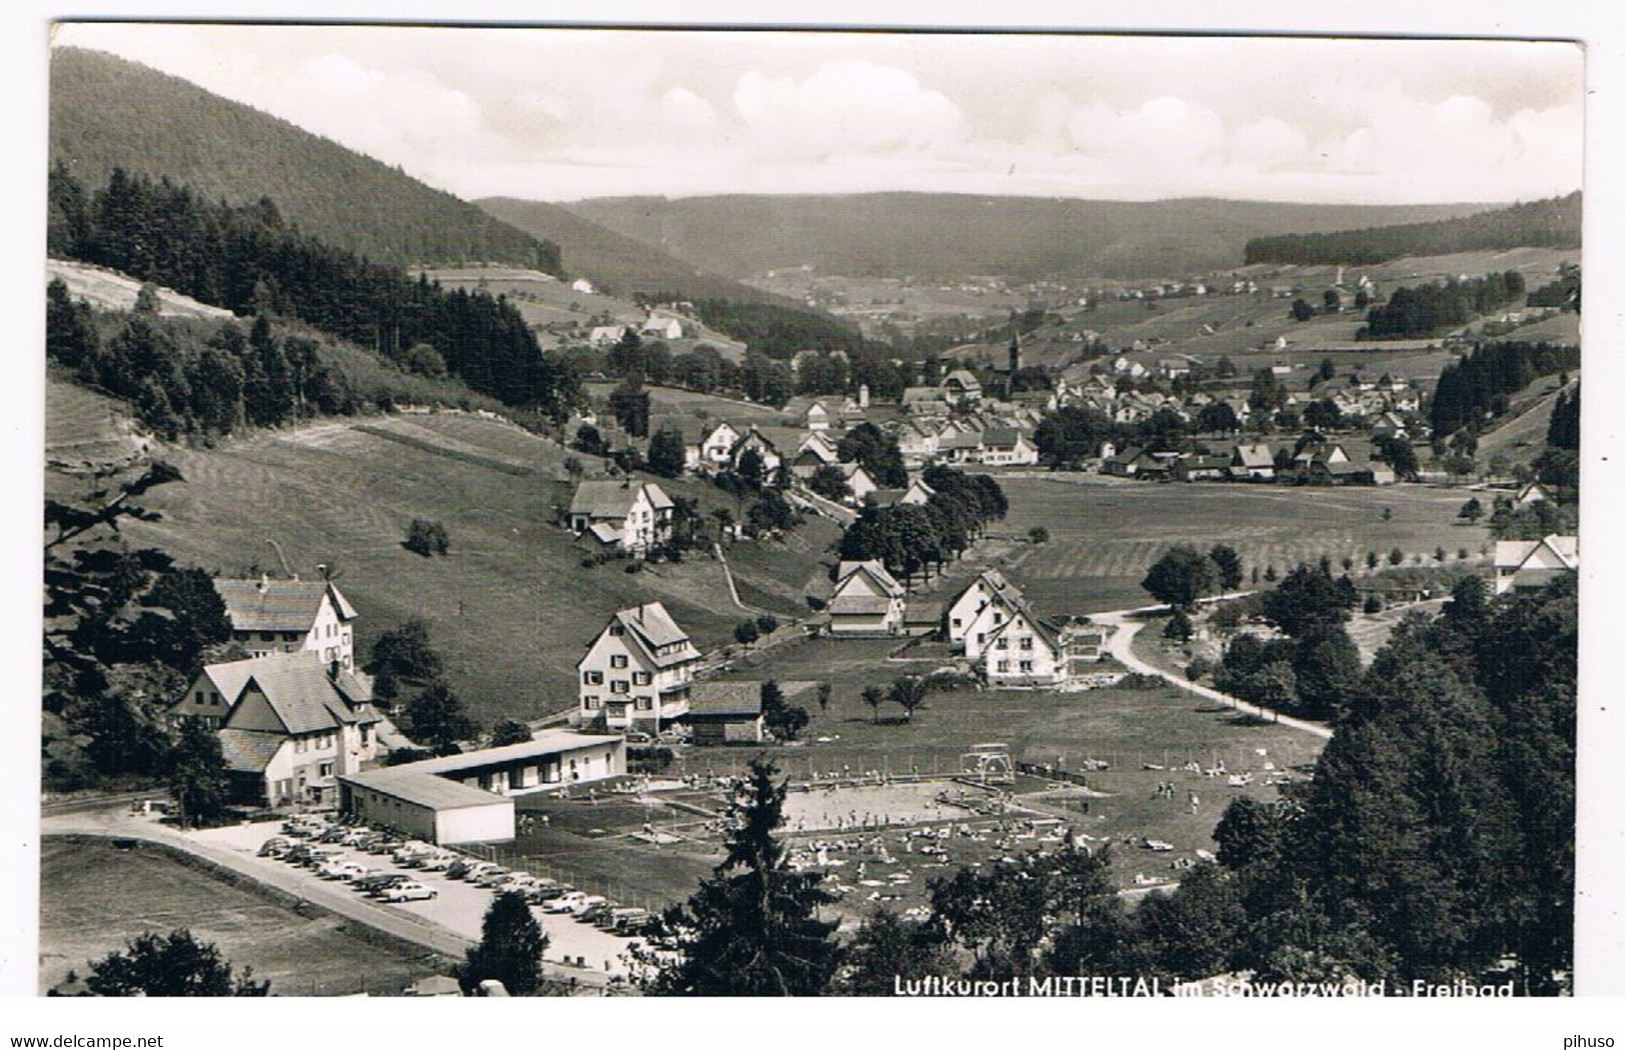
(510, 607)
(94, 896)
(1106, 532)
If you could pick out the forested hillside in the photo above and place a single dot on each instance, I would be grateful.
(107, 112)
(615, 263)
(246, 260)
(954, 235)
(1551, 223)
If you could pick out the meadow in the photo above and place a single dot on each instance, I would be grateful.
(95, 895)
(510, 607)
(1106, 532)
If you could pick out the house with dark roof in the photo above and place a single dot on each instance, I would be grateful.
(1025, 650)
(868, 600)
(973, 613)
(961, 387)
(293, 726)
(726, 713)
(624, 514)
(638, 670)
(285, 616)
(1008, 446)
(1193, 467)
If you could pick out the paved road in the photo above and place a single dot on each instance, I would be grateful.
(1128, 622)
(221, 847)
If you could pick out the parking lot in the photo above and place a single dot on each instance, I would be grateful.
(458, 906)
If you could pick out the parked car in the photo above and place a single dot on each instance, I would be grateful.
(438, 861)
(408, 891)
(491, 877)
(378, 881)
(544, 894)
(342, 870)
(275, 846)
(592, 908)
(319, 855)
(478, 869)
(297, 853)
(565, 903)
(607, 919)
(381, 844)
(628, 922)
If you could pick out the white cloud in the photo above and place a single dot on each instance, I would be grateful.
(560, 115)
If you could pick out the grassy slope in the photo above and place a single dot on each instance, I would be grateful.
(1105, 533)
(108, 112)
(952, 235)
(94, 896)
(510, 606)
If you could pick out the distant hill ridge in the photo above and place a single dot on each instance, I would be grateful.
(1552, 223)
(107, 112)
(945, 236)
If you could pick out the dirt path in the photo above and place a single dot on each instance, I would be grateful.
(1126, 625)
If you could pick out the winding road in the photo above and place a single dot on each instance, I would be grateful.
(1126, 623)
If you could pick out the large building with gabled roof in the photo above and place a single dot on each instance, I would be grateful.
(867, 600)
(630, 516)
(637, 671)
(293, 724)
(1528, 565)
(285, 616)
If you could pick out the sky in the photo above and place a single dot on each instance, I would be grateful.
(563, 114)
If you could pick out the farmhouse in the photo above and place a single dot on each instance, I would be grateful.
(1253, 462)
(663, 328)
(867, 600)
(294, 725)
(214, 692)
(816, 449)
(925, 401)
(961, 387)
(1201, 468)
(1007, 446)
(1024, 650)
(755, 440)
(607, 334)
(974, 612)
(716, 447)
(621, 514)
(285, 616)
(726, 713)
(1534, 492)
(1527, 565)
(638, 670)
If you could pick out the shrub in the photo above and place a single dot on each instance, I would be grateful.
(426, 538)
(1200, 667)
(1373, 604)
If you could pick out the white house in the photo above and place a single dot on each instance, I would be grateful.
(214, 692)
(1007, 446)
(582, 285)
(867, 600)
(755, 439)
(816, 449)
(662, 328)
(988, 589)
(1024, 650)
(284, 616)
(961, 387)
(716, 448)
(607, 334)
(638, 670)
(295, 726)
(633, 517)
(1526, 565)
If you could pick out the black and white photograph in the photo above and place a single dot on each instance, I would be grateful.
(569, 511)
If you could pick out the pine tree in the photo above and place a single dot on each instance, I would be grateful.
(510, 948)
(751, 928)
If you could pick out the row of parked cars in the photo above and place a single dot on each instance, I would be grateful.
(555, 898)
(319, 844)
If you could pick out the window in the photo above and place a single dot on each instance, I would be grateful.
(616, 630)
(641, 677)
(590, 703)
(1002, 643)
(646, 703)
(1004, 666)
(618, 660)
(325, 769)
(959, 621)
(620, 685)
(1027, 644)
(267, 636)
(1026, 666)
(593, 677)
(299, 745)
